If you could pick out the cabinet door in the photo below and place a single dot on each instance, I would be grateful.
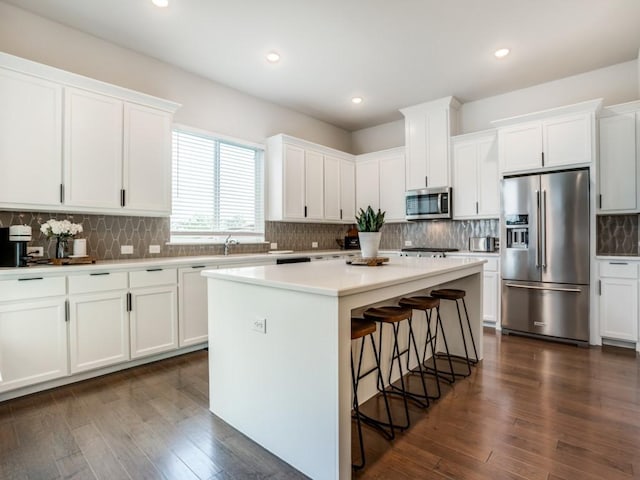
(99, 330)
(417, 150)
(488, 178)
(294, 182)
(347, 191)
(31, 126)
(147, 160)
(392, 189)
(465, 180)
(192, 304)
(33, 343)
(92, 150)
(314, 185)
(332, 187)
(567, 140)
(427, 148)
(153, 321)
(619, 309)
(367, 185)
(618, 170)
(490, 297)
(520, 147)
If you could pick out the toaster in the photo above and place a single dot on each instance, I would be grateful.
(482, 244)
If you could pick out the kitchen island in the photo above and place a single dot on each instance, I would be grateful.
(279, 346)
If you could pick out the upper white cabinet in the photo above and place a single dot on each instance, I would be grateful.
(307, 182)
(31, 126)
(550, 139)
(476, 181)
(380, 182)
(428, 128)
(618, 172)
(116, 143)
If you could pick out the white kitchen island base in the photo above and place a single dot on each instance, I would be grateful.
(288, 387)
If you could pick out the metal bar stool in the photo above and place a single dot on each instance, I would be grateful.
(428, 304)
(393, 316)
(455, 295)
(361, 328)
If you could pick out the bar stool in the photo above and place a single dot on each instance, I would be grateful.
(455, 295)
(361, 328)
(428, 304)
(393, 315)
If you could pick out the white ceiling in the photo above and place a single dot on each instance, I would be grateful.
(393, 53)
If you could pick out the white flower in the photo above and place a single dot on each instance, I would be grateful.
(60, 228)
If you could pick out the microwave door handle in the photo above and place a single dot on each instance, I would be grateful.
(440, 203)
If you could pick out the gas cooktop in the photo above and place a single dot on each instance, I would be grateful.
(429, 249)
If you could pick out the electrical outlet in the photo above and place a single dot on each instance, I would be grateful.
(314, 244)
(126, 249)
(154, 248)
(35, 251)
(259, 325)
(407, 243)
(274, 246)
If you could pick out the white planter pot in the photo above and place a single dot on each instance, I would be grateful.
(369, 244)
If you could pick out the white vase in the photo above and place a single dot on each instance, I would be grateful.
(369, 244)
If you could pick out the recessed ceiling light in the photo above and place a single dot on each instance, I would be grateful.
(161, 3)
(501, 53)
(273, 57)
(356, 100)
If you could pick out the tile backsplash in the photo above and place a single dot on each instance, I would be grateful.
(106, 233)
(617, 235)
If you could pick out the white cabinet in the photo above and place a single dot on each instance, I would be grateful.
(380, 182)
(428, 128)
(618, 300)
(618, 172)
(98, 320)
(347, 191)
(305, 182)
(554, 138)
(153, 316)
(31, 126)
(147, 160)
(476, 180)
(33, 331)
(192, 306)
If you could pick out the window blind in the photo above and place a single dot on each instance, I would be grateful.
(217, 187)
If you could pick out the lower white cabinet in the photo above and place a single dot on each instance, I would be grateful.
(618, 300)
(192, 306)
(33, 342)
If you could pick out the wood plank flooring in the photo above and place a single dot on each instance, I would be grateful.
(532, 410)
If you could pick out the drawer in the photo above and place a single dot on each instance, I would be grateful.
(32, 286)
(97, 282)
(619, 269)
(152, 277)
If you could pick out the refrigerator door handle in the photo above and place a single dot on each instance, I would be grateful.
(543, 233)
(552, 289)
(538, 225)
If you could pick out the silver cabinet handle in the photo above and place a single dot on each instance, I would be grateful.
(551, 289)
(618, 263)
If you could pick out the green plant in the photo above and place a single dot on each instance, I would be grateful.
(370, 221)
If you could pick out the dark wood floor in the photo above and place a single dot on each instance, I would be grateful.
(532, 410)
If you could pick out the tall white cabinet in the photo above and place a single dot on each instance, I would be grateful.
(428, 127)
(476, 180)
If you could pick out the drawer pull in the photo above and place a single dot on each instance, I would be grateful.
(29, 279)
(618, 263)
(198, 266)
(97, 274)
(154, 269)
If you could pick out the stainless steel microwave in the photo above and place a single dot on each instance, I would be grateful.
(428, 203)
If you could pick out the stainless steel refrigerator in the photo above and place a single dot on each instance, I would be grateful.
(545, 256)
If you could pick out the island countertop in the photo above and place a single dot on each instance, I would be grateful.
(337, 278)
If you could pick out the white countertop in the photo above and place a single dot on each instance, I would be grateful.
(336, 278)
(468, 253)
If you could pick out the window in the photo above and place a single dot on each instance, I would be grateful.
(217, 188)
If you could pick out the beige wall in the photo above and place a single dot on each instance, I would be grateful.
(615, 84)
(205, 104)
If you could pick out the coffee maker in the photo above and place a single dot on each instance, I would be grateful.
(13, 245)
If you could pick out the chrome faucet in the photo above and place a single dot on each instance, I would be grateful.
(227, 242)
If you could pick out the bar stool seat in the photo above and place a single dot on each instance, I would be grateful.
(387, 314)
(454, 294)
(419, 303)
(361, 328)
